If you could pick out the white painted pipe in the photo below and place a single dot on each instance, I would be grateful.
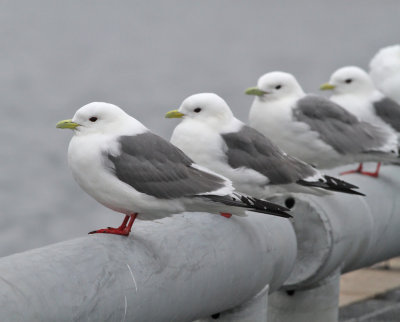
(337, 234)
(346, 232)
(182, 268)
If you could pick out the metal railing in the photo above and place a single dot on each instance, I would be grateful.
(203, 266)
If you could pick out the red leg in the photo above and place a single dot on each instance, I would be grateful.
(373, 174)
(128, 228)
(358, 170)
(226, 215)
(123, 230)
(123, 225)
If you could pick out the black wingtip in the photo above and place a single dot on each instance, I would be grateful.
(276, 213)
(264, 206)
(252, 204)
(339, 185)
(333, 184)
(352, 192)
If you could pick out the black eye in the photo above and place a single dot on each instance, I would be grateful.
(348, 81)
(278, 86)
(197, 110)
(93, 119)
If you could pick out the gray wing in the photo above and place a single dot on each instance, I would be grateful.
(155, 167)
(389, 111)
(337, 127)
(249, 148)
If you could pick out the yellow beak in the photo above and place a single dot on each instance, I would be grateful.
(255, 91)
(174, 114)
(67, 124)
(326, 86)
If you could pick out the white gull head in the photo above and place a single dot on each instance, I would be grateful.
(385, 71)
(207, 108)
(351, 80)
(105, 118)
(279, 85)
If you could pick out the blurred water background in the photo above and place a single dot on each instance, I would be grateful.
(146, 56)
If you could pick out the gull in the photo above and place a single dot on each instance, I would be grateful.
(384, 69)
(127, 168)
(313, 128)
(354, 90)
(211, 135)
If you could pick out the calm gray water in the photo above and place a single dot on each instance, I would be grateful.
(146, 56)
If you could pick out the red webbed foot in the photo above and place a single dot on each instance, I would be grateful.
(122, 230)
(373, 174)
(366, 173)
(225, 214)
(358, 170)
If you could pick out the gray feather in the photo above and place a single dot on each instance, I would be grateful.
(337, 127)
(154, 166)
(250, 149)
(389, 111)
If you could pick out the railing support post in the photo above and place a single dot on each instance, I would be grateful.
(320, 303)
(254, 310)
